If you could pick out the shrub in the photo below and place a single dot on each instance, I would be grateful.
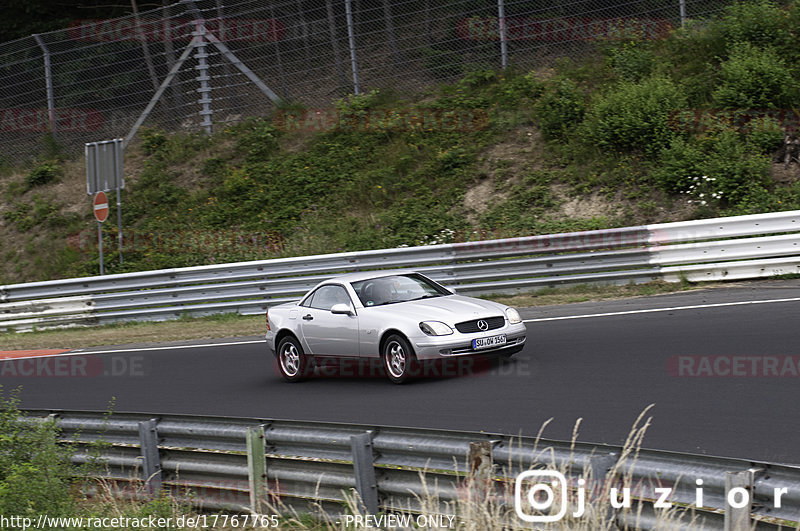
(634, 116)
(258, 139)
(560, 109)
(35, 472)
(765, 135)
(152, 140)
(761, 23)
(754, 77)
(717, 168)
(632, 60)
(43, 173)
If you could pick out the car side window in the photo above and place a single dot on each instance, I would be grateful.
(326, 296)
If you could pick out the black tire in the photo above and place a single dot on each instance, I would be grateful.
(293, 364)
(398, 357)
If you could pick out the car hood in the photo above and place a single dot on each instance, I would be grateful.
(449, 309)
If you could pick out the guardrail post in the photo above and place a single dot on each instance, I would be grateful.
(738, 499)
(363, 463)
(257, 468)
(148, 441)
(481, 467)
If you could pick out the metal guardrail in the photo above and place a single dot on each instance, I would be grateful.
(714, 249)
(220, 463)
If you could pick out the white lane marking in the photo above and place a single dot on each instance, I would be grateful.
(653, 310)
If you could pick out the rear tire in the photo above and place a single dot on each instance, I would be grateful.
(293, 364)
(399, 360)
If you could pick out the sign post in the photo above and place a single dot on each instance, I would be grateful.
(100, 208)
(105, 172)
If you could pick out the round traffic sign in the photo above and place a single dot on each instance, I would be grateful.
(101, 206)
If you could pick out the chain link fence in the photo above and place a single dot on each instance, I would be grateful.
(94, 80)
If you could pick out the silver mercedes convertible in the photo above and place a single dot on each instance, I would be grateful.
(400, 318)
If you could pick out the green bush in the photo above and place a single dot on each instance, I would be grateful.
(679, 163)
(152, 140)
(755, 77)
(761, 22)
(44, 173)
(257, 139)
(632, 60)
(765, 135)
(716, 169)
(35, 472)
(560, 109)
(634, 116)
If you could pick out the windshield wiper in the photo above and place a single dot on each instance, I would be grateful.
(426, 296)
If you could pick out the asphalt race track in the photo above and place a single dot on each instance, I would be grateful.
(724, 379)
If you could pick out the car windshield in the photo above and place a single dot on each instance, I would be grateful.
(396, 288)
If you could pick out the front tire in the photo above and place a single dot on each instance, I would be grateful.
(399, 360)
(293, 364)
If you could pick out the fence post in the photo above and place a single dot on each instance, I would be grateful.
(48, 78)
(683, 12)
(352, 41)
(203, 77)
(501, 18)
(366, 484)
(337, 56)
(148, 441)
(257, 468)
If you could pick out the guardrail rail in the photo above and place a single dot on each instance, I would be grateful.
(742, 247)
(252, 465)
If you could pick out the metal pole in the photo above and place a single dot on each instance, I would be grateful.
(256, 468)
(151, 461)
(164, 84)
(203, 78)
(100, 246)
(683, 12)
(225, 51)
(364, 467)
(119, 225)
(352, 38)
(337, 56)
(501, 16)
(48, 77)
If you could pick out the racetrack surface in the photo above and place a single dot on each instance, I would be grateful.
(604, 369)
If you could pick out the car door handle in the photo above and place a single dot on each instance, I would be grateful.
(308, 317)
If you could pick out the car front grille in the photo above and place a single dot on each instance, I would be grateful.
(468, 327)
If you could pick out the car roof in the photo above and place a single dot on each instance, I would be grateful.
(364, 275)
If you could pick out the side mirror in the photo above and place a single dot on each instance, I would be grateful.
(342, 308)
(452, 290)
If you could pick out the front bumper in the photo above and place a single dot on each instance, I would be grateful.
(458, 344)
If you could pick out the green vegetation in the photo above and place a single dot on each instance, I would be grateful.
(643, 131)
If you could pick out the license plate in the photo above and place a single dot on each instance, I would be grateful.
(488, 342)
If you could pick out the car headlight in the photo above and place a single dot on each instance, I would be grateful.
(513, 316)
(435, 328)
